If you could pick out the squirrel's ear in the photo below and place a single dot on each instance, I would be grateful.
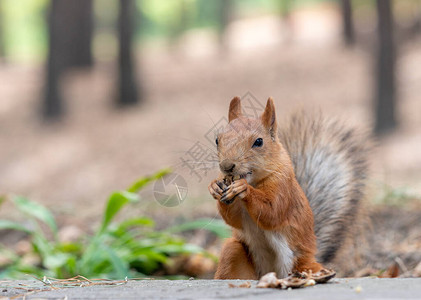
(235, 109)
(269, 118)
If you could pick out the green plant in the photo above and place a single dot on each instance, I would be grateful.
(127, 248)
(216, 226)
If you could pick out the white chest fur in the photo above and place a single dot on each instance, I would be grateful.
(269, 249)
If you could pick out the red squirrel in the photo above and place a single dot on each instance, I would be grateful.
(289, 194)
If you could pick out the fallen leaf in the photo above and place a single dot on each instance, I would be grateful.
(269, 281)
(392, 272)
(295, 280)
(323, 276)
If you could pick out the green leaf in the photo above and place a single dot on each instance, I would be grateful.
(127, 248)
(147, 261)
(144, 264)
(215, 226)
(5, 224)
(150, 255)
(42, 245)
(135, 222)
(118, 200)
(140, 183)
(71, 265)
(121, 268)
(115, 203)
(37, 211)
(19, 271)
(177, 249)
(56, 260)
(69, 247)
(92, 252)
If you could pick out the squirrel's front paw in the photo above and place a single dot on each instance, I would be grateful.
(216, 189)
(238, 188)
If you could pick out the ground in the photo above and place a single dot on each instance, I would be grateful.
(366, 288)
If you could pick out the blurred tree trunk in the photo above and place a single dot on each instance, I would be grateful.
(52, 107)
(347, 22)
(70, 27)
(386, 86)
(225, 13)
(79, 16)
(127, 84)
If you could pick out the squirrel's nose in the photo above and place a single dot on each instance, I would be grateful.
(227, 166)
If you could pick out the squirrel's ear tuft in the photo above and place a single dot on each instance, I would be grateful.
(235, 109)
(269, 118)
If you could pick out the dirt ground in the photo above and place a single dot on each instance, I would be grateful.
(73, 165)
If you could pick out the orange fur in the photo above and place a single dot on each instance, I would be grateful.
(235, 262)
(271, 196)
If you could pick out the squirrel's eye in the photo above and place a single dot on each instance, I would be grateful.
(216, 141)
(258, 143)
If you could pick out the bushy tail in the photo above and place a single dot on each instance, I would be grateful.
(330, 165)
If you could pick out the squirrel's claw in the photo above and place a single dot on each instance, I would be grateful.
(215, 189)
(225, 199)
(237, 188)
(222, 185)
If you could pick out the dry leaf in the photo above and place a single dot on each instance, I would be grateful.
(323, 276)
(295, 280)
(269, 281)
(391, 272)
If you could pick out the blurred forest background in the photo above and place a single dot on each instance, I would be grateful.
(95, 93)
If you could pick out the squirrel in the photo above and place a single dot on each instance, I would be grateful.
(290, 194)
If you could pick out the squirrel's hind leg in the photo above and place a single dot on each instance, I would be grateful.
(235, 262)
(305, 264)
